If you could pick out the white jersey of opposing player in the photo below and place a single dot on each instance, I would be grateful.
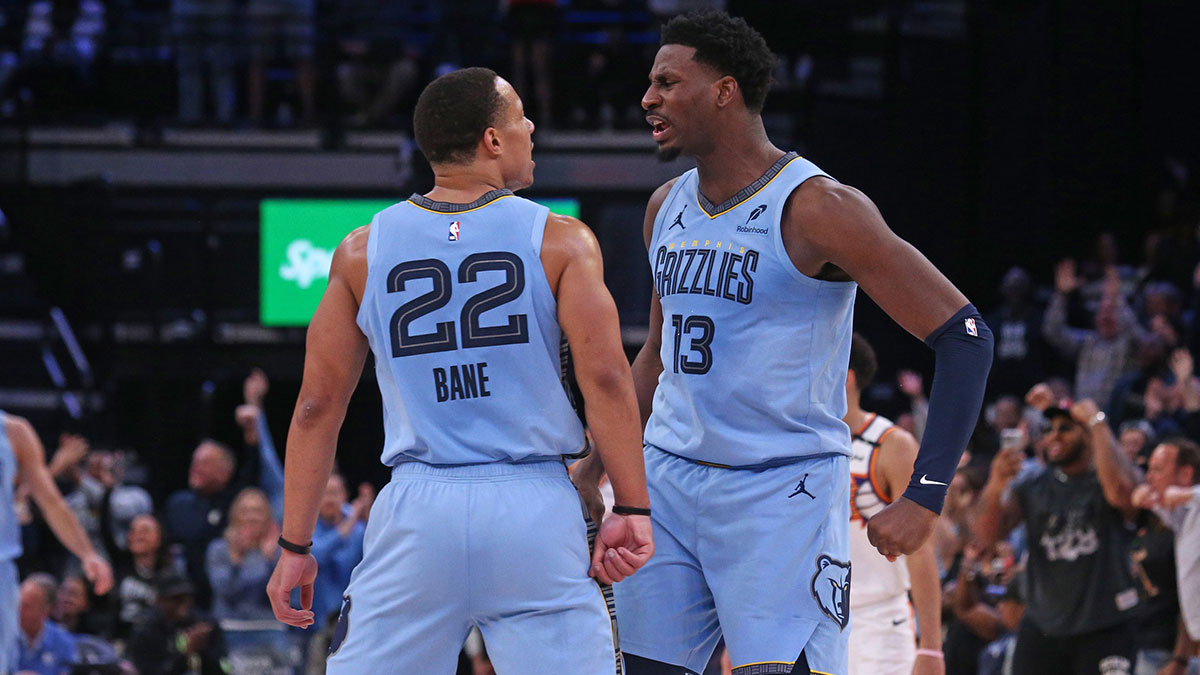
(875, 579)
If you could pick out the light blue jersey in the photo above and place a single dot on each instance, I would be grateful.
(754, 352)
(464, 329)
(10, 550)
(10, 531)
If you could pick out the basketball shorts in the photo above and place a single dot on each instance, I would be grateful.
(884, 639)
(499, 546)
(760, 556)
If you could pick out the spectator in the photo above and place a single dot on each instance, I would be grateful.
(45, 647)
(73, 609)
(1080, 591)
(1129, 392)
(287, 24)
(912, 385)
(1153, 562)
(1101, 355)
(61, 46)
(338, 543)
(954, 527)
(1172, 492)
(1137, 439)
(996, 658)
(196, 516)
(1020, 350)
(240, 563)
(173, 639)
(136, 569)
(204, 35)
(102, 481)
(531, 26)
(974, 622)
(375, 71)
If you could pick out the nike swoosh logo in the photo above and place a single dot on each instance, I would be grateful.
(898, 622)
(925, 481)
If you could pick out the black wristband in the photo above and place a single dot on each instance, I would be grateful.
(294, 548)
(630, 511)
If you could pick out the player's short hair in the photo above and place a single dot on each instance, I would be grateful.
(730, 46)
(453, 112)
(1189, 454)
(862, 361)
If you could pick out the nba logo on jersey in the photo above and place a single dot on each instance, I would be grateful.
(971, 329)
(454, 227)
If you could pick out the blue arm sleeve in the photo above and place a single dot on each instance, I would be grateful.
(963, 357)
(271, 472)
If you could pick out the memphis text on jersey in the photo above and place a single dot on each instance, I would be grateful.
(698, 269)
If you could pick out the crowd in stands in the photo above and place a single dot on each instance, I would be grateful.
(344, 64)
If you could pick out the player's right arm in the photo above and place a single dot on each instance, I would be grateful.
(648, 364)
(999, 511)
(31, 463)
(588, 317)
(334, 354)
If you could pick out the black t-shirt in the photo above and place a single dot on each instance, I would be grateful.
(1077, 578)
(1153, 557)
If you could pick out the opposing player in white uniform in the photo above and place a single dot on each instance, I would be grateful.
(463, 295)
(755, 254)
(883, 639)
(23, 461)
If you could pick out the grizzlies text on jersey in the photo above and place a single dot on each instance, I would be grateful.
(754, 352)
(464, 329)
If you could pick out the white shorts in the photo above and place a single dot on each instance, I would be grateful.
(883, 638)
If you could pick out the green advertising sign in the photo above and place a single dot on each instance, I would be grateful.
(296, 242)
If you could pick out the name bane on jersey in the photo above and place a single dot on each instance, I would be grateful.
(699, 271)
(460, 382)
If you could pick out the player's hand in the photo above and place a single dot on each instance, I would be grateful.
(98, 571)
(593, 501)
(900, 528)
(293, 570)
(623, 545)
(929, 665)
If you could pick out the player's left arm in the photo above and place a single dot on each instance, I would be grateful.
(31, 463)
(827, 223)
(897, 452)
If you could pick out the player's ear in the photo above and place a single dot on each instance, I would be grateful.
(491, 142)
(727, 89)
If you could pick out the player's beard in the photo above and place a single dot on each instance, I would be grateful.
(669, 154)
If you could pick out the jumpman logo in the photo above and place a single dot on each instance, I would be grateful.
(800, 489)
(679, 219)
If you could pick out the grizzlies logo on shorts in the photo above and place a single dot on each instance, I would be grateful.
(831, 588)
(343, 627)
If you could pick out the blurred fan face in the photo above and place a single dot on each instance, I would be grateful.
(72, 597)
(145, 535)
(1065, 441)
(210, 470)
(334, 498)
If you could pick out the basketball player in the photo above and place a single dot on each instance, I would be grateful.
(883, 641)
(460, 295)
(23, 462)
(755, 255)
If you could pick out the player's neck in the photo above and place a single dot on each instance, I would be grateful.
(737, 159)
(463, 184)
